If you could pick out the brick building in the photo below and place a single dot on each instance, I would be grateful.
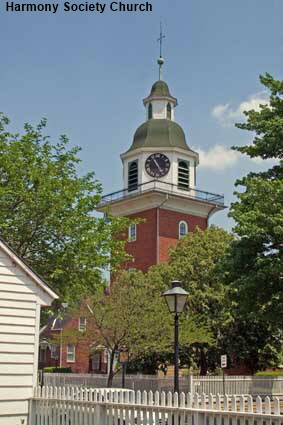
(71, 345)
(159, 186)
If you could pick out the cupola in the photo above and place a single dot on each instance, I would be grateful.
(160, 103)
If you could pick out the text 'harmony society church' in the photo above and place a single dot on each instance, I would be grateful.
(159, 174)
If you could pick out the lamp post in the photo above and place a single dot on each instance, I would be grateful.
(43, 344)
(64, 307)
(123, 359)
(176, 298)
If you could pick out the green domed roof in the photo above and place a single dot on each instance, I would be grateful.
(161, 133)
(160, 88)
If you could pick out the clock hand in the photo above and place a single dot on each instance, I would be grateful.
(158, 166)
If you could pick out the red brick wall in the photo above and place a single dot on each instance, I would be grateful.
(169, 229)
(144, 249)
(81, 364)
(83, 346)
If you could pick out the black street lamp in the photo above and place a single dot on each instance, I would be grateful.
(176, 298)
(43, 344)
(124, 358)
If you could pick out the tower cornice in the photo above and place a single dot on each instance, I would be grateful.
(139, 151)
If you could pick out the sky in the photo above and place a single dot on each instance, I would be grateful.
(87, 73)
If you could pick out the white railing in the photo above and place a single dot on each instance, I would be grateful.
(158, 185)
(134, 382)
(84, 406)
(253, 385)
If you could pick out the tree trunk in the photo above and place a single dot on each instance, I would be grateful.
(111, 371)
(202, 362)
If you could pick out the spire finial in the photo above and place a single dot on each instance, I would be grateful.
(160, 60)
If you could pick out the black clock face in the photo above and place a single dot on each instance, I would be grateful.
(157, 165)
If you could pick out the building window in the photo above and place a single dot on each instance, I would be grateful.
(82, 324)
(133, 176)
(54, 351)
(149, 111)
(132, 233)
(169, 111)
(183, 174)
(183, 229)
(71, 353)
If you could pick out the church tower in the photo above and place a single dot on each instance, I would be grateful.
(159, 174)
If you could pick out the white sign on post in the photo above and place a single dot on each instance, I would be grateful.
(223, 361)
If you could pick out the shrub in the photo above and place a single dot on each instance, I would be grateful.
(54, 369)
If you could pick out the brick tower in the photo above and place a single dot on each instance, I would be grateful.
(159, 173)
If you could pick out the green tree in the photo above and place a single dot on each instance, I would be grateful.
(251, 342)
(135, 316)
(255, 266)
(196, 261)
(47, 212)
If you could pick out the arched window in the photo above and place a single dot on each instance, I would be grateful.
(183, 174)
(183, 229)
(133, 176)
(169, 111)
(150, 111)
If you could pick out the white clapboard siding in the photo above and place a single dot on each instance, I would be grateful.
(17, 338)
(15, 287)
(16, 348)
(5, 261)
(12, 420)
(7, 368)
(17, 312)
(17, 320)
(17, 358)
(15, 392)
(17, 279)
(16, 329)
(21, 304)
(17, 406)
(16, 380)
(21, 295)
(11, 271)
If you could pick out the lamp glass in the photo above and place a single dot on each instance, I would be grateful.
(176, 303)
(176, 298)
(44, 344)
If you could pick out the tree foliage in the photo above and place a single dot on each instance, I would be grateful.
(47, 211)
(255, 265)
(135, 316)
(196, 261)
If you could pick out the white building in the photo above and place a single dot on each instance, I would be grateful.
(22, 293)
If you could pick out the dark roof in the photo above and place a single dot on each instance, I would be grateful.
(161, 133)
(160, 89)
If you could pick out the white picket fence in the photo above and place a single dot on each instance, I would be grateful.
(85, 406)
(253, 385)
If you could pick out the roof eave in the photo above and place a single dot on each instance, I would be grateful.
(160, 97)
(26, 268)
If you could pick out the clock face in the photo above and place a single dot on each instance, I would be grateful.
(157, 165)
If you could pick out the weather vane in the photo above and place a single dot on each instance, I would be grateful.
(160, 60)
